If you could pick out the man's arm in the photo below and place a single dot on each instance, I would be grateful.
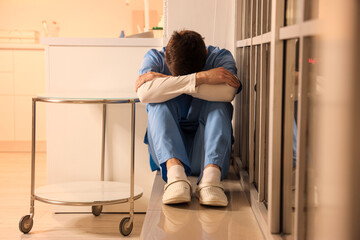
(215, 93)
(161, 89)
(212, 85)
(218, 85)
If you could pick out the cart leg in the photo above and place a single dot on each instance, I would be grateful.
(103, 143)
(33, 149)
(132, 182)
(126, 224)
(26, 222)
(96, 210)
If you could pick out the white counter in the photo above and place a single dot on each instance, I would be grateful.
(81, 67)
(107, 42)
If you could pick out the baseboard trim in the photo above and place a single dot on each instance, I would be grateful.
(21, 146)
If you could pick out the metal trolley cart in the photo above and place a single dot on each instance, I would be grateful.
(95, 193)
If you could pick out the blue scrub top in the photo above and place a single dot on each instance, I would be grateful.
(154, 61)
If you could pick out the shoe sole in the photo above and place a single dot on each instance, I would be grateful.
(177, 201)
(212, 203)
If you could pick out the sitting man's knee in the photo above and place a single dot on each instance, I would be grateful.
(155, 106)
(220, 106)
(163, 109)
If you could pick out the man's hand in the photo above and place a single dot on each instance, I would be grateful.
(149, 76)
(217, 76)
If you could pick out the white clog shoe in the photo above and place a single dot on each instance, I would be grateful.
(177, 191)
(211, 194)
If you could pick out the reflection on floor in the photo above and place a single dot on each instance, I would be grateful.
(193, 221)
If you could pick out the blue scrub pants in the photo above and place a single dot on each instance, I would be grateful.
(195, 131)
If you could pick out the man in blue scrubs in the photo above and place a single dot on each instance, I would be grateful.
(188, 88)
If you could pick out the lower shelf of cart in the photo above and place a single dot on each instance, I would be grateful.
(90, 193)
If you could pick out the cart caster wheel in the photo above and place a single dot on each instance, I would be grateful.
(26, 224)
(123, 229)
(96, 210)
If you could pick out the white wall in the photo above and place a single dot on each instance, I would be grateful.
(213, 19)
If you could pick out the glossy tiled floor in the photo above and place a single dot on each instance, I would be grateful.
(15, 200)
(193, 221)
(187, 221)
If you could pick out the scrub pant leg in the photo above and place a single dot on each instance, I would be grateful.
(164, 134)
(213, 138)
(210, 145)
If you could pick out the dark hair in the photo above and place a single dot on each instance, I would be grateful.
(185, 53)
